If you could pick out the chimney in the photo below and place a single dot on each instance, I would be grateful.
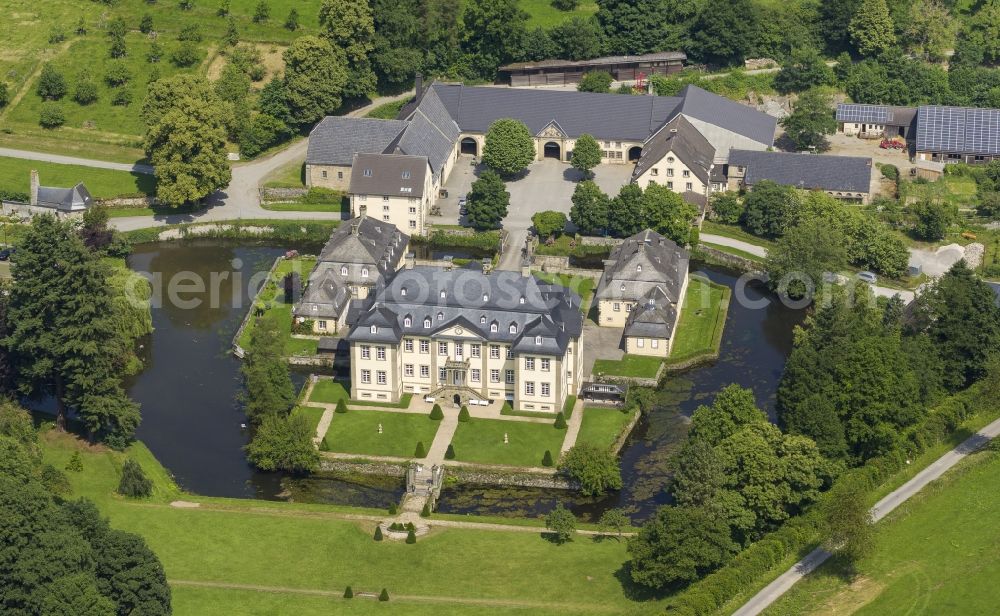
(526, 270)
(418, 86)
(410, 259)
(487, 265)
(355, 226)
(362, 210)
(34, 188)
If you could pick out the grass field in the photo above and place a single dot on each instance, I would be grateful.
(481, 440)
(302, 207)
(642, 366)
(15, 175)
(937, 554)
(582, 285)
(703, 319)
(602, 425)
(954, 189)
(542, 13)
(329, 391)
(291, 175)
(312, 413)
(103, 130)
(282, 310)
(734, 232)
(357, 432)
(303, 551)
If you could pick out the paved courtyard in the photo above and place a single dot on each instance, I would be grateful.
(600, 343)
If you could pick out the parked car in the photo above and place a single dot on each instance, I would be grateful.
(868, 277)
(463, 208)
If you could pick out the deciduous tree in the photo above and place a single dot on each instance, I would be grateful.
(625, 215)
(284, 442)
(804, 69)
(586, 154)
(548, 223)
(509, 147)
(595, 81)
(871, 29)
(590, 208)
(768, 209)
(488, 202)
(596, 469)
(666, 212)
(349, 26)
(811, 120)
(562, 523)
(678, 546)
(315, 79)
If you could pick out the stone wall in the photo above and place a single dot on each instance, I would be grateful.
(587, 240)
(275, 195)
(730, 260)
(384, 469)
(491, 476)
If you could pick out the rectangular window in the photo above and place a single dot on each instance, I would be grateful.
(425, 346)
(688, 186)
(442, 375)
(569, 375)
(442, 348)
(380, 376)
(640, 342)
(413, 210)
(366, 351)
(494, 376)
(670, 173)
(628, 307)
(686, 173)
(407, 369)
(385, 208)
(366, 376)
(340, 175)
(475, 375)
(380, 353)
(459, 350)
(362, 197)
(654, 171)
(545, 390)
(670, 185)
(529, 363)
(408, 345)
(385, 199)
(494, 352)
(616, 307)
(529, 388)
(425, 371)
(510, 353)
(321, 325)
(476, 350)
(510, 377)
(413, 224)
(385, 217)
(546, 362)
(654, 343)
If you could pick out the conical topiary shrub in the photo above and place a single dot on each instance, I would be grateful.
(341, 406)
(411, 536)
(506, 409)
(463, 415)
(392, 509)
(378, 533)
(426, 511)
(547, 458)
(324, 445)
(436, 413)
(560, 421)
(449, 454)
(348, 593)
(384, 595)
(420, 451)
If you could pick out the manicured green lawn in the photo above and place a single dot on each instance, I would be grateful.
(734, 232)
(542, 13)
(357, 432)
(308, 547)
(703, 319)
(481, 440)
(283, 311)
(331, 391)
(291, 175)
(734, 251)
(641, 366)
(582, 285)
(602, 425)
(15, 175)
(302, 207)
(312, 413)
(936, 554)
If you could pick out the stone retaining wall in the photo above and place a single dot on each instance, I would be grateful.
(383, 469)
(269, 195)
(624, 434)
(730, 260)
(522, 479)
(587, 240)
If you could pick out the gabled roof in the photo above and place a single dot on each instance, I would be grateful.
(653, 317)
(393, 175)
(959, 130)
(430, 133)
(805, 171)
(364, 242)
(685, 141)
(641, 263)
(606, 60)
(728, 114)
(336, 139)
(65, 199)
(326, 295)
(605, 116)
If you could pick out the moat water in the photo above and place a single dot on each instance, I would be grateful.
(192, 414)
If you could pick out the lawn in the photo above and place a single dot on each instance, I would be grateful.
(312, 413)
(542, 13)
(388, 111)
(15, 176)
(330, 391)
(582, 285)
(936, 554)
(291, 175)
(957, 190)
(303, 207)
(734, 232)
(640, 366)
(282, 310)
(101, 129)
(703, 319)
(734, 251)
(357, 432)
(302, 548)
(481, 440)
(602, 425)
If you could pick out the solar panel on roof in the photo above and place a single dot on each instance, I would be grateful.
(958, 130)
(869, 114)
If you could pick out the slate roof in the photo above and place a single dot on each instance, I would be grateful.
(326, 295)
(336, 139)
(606, 60)
(365, 241)
(685, 141)
(641, 263)
(605, 116)
(431, 133)
(474, 301)
(728, 114)
(959, 130)
(805, 171)
(65, 199)
(653, 317)
(394, 175)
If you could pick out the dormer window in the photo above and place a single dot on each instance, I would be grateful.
(427, 322)
(343, 270)
(538, 339)
(482, 320)
(493, 327)
(638, 268)
(623, 286)
(368, 173)
(440, 316)
(403, 291)
(513, 328)
(442, 295)
(374, 329)
(486, 297)
(364, 272)
(407, 322)
(522, 299)
(406, 175)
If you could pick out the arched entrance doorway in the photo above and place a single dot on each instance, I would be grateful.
(469, 146)
(457, 399)
(552, 150)
(634, 153)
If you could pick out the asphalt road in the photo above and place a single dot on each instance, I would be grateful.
(73, 160)
(814, 559)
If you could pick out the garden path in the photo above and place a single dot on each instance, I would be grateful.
(573, 426)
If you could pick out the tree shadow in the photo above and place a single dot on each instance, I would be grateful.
(572, 174)
(635, 592)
